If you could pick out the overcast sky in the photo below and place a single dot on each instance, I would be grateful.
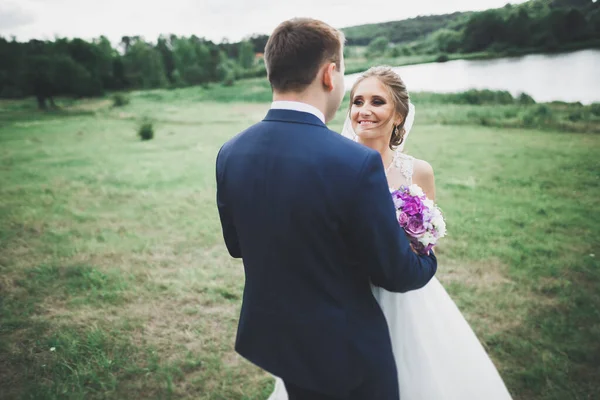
(212, 19)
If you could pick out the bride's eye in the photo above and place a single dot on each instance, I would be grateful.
(378, 102)
(357, 102)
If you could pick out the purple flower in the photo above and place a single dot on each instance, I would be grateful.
(403, 219)
(427, 249)
(397, 198)
(412, 206)
(415, 226)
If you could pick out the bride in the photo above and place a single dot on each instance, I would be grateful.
(437, 353)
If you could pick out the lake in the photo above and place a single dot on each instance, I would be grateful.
(571, 77)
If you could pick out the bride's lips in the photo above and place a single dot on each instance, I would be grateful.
(365, 123)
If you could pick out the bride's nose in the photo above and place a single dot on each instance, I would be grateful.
(365, 112)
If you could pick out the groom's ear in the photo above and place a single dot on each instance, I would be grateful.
(328, 81)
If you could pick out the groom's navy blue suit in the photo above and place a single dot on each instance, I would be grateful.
(310, 214)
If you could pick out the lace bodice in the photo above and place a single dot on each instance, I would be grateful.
(405, 164)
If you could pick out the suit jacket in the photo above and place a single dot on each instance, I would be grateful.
(310, 214)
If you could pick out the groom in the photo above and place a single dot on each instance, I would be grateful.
(311, 215)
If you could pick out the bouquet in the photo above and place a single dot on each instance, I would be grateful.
(420, 218)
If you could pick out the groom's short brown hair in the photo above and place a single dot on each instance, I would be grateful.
(297, 49)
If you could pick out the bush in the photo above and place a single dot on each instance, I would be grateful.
(543, 111)
(395, 52)
(256, 72)
(146, 130)
(226, 72)
(405, 50)
(595, 109)
(120, 100)
(575, 116)
(195, 75)
(525, 99)
(378, 46)
(528, 119)
(229, 79)
(442, 58)
(477, 97)
(538, 116)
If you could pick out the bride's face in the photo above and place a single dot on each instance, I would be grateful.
(373, 112)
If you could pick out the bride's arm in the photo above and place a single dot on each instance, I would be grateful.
(423, 176)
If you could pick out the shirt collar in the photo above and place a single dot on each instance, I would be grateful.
(298, 106)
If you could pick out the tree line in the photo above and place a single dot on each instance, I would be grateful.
(79, 68)
(547, 25)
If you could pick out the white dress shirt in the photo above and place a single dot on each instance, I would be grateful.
(298, 106)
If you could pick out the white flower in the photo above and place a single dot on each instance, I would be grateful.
(429, 204)
(427, 239)
(52, 348)
(440, 225)
(415, 190)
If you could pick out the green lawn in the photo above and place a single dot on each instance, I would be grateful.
(115, 282)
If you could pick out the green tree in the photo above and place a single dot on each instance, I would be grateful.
(246, 55)
(105, 58)
(259, 42)
(518, 27)
(203, 58)
(144, 66)
(37, 79)
(484, 29)
(447, 41)
(11, 61)
(165, 49)
(378, 46)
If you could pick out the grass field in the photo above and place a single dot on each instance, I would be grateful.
(115, 283)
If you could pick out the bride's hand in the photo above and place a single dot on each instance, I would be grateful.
(413, 249)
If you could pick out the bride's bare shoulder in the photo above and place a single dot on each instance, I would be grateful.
(424, 177)
(422, 168)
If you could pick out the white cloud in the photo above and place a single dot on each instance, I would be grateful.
(14, 16)
(212, 19)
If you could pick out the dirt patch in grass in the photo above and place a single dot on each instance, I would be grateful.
(485, 275)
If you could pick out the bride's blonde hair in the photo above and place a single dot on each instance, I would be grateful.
(398, 92)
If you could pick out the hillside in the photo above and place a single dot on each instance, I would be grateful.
(533, 26)
(407, 30)
(545, 23)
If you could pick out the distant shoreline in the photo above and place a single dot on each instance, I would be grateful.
(355, 65)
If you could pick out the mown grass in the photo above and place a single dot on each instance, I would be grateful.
(115, 282)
